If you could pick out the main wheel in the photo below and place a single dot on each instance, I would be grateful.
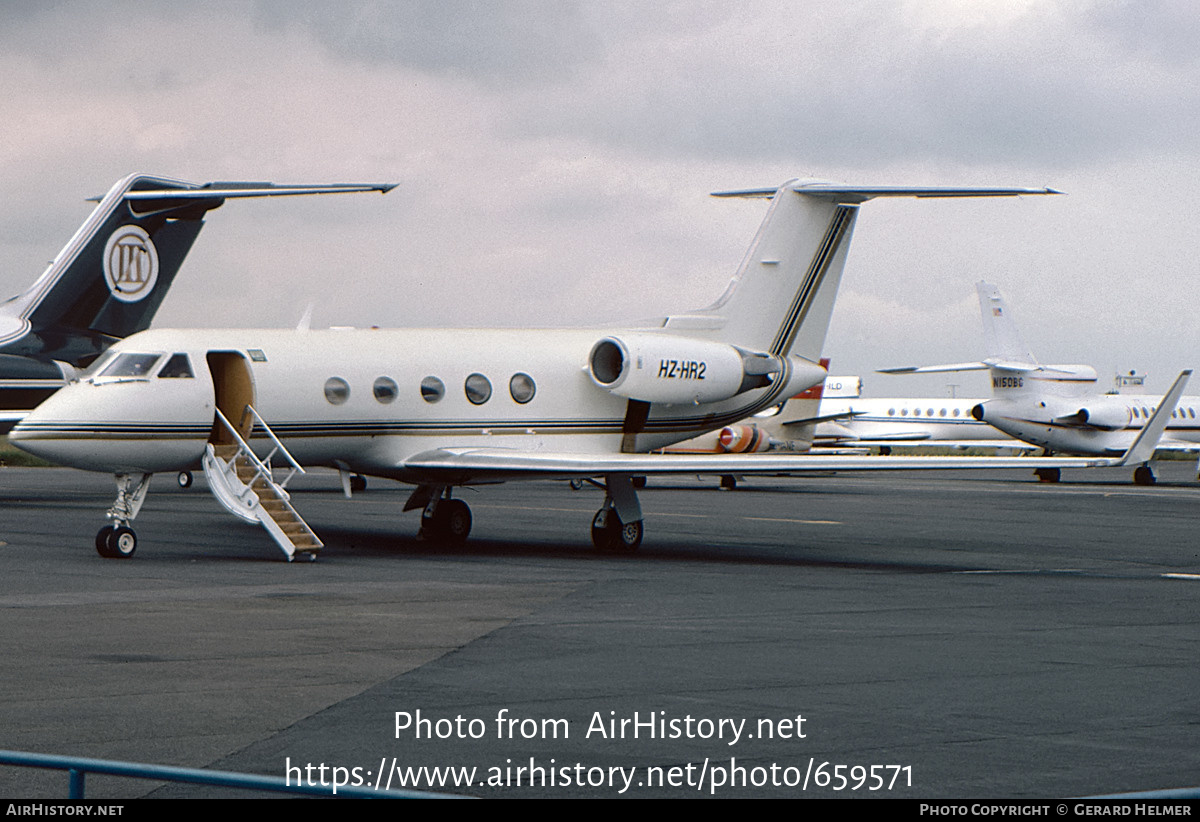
(358, 483)
(610, 534)
(102, 538)
(454, 517)
(1047, 474)
(122, 543)
(184, 479)
(1142, 475)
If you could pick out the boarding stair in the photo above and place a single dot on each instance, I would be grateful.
(246, 486)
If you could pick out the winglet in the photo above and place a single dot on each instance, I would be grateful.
(1143, 446)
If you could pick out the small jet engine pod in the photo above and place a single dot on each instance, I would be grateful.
(669, 369)
(1104, 416)
(743, 439)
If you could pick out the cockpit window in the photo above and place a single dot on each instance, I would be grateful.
(131, 366)
(178, 366)
(97, 365)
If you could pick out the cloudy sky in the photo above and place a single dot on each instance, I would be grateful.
(555, 159)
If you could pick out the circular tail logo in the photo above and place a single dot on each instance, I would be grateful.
(130, 264)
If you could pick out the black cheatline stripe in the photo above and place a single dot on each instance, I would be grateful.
(812, 280)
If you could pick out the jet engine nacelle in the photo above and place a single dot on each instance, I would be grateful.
(743, 439)
(669, 369)
(1105, 417)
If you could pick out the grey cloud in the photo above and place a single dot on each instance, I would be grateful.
(1059, 87)
(490, 43)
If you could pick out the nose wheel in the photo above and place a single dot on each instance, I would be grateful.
(116, 542)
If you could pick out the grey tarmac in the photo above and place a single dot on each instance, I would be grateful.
(1002, 637)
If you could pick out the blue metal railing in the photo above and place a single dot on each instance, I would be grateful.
(78, 767)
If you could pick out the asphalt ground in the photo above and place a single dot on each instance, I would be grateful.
(971, 635)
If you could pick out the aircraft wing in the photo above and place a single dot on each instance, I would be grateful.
(464, 465)
(925, 442)
(460, 466)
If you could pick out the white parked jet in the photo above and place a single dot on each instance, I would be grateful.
(109, 280)
(441, 408)
(1060, 407)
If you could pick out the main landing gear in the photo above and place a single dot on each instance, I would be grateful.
(616, 527)
(1142, 475)
(445, 520)
(118, 541)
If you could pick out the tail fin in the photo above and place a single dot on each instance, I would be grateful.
(781, 298)
(111, 277)
(1000, 336)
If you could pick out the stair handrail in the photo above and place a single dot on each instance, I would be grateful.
(260, 468)
(279, 446)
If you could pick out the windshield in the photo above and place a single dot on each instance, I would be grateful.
(130, 366)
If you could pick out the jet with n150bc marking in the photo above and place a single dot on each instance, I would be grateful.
(444, 408)
(1060, 407)
(109, 279)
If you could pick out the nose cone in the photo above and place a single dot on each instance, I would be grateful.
(116, 428)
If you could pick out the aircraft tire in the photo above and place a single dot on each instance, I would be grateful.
(1047, 474)
(454, 524)
(1143, 475)
(184, 479)
(358, 483)
(615, 536)
(102, 538)
(122, 542)
(728, 482)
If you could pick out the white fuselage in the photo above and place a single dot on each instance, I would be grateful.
(904, 420)
(365, 400)
(1112, 421)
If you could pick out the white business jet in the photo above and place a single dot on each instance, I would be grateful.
(109, 279)
(441, 408)
(1060, 407)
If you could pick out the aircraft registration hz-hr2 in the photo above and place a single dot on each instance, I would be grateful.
(1060, 407)
(109, 279)
(441, 408)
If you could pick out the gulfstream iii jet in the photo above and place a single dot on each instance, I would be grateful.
(1060, 407)
(109, 279)
(444, 408)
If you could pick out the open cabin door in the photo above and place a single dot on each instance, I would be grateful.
(233, 385)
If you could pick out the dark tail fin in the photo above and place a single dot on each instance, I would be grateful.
(114, 273)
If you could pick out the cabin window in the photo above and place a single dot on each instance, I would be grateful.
(385, 389)
(522, 387)
(891, 412)
(1191, 413)
(131, 365)
(432, 389)
(337, 390)
(942, 413)
(178, 367)
(904, 412)
(956, 412)
(916, 412)
(478, 388)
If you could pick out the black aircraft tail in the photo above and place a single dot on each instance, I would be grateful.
(114, 273)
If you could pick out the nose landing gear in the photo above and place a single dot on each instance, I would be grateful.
(118, 541)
